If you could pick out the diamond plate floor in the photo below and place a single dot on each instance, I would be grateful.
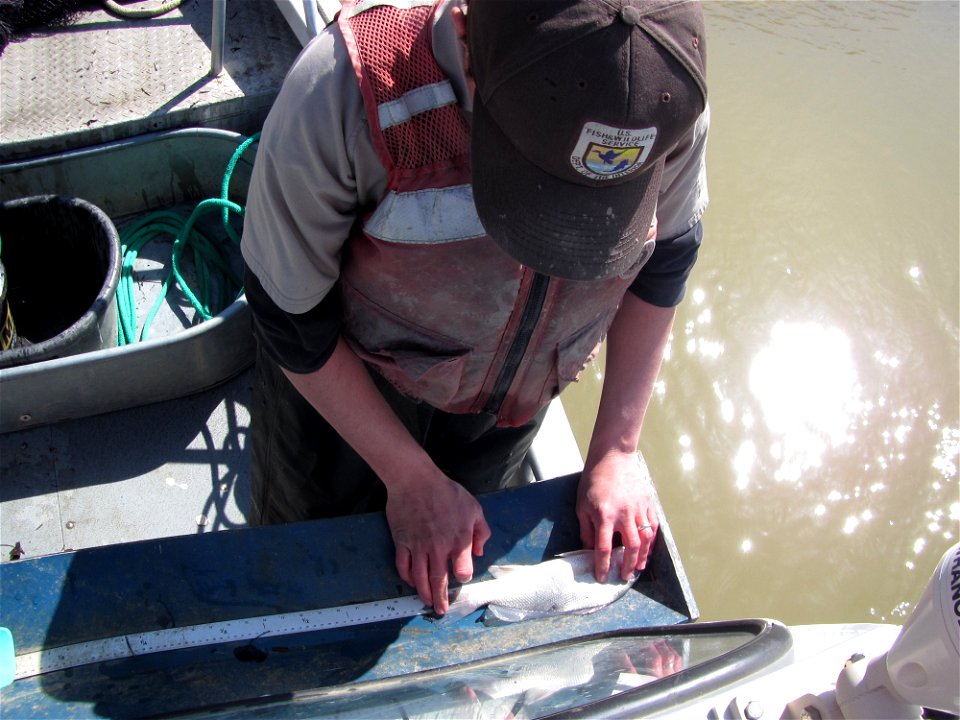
(103, 78)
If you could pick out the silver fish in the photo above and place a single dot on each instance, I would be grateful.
(564, 584)
(537, 677)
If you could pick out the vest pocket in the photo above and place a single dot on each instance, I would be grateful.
(576, 351)
(422, 363)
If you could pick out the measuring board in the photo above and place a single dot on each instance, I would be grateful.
(200, 584)
(191, 636)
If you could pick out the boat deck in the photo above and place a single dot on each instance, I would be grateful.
(178, 467)
(103, 78)
(171, 468)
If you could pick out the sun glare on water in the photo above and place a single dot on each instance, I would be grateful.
(806, 384)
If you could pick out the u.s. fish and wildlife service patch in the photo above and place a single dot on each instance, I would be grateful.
(606, 153)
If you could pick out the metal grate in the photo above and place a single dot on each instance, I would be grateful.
(102, 78)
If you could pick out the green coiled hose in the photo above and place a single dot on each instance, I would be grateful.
(218, 285)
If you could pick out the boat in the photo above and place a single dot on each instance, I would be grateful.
(310, 620)
(131, 584)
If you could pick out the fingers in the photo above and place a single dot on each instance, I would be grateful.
(481, 533)
(427, 570)
(647, 534)
(463, 566)
(427, 573)
(601, 563)
(439, 585)
(602, 549)
(637, 539)
(420, 577)
(462, 556)
(631, 552)
(436, 529)
(664, 661)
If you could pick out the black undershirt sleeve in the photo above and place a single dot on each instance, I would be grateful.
(663, 280)
(300, 343)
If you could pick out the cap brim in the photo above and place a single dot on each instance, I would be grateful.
(563, 229)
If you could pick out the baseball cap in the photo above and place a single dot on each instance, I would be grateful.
(578, 103)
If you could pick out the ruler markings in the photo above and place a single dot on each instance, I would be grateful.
(224, 631)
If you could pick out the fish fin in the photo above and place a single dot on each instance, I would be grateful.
(505, 614)
(504, 570)
(574, 553)
(457, 611)
(499, 571)
(587, 610)
(462, 603)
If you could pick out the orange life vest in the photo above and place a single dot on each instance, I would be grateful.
(430, 300)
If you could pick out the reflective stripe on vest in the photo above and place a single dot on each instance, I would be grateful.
(426, 216)
(415, 102)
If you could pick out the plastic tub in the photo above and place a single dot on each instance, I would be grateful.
(128, 179)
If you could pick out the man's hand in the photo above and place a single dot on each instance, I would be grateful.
(435, 525)
(613, 497)
(433, 520)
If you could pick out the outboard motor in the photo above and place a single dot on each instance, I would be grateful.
(922, 667)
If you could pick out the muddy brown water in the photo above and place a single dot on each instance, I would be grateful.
(804, 434)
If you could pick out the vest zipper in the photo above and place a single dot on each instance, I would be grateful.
(528, 321)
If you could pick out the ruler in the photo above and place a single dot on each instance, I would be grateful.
(190, 636)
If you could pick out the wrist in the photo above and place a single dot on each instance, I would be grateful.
(413, 474)
(598, 454)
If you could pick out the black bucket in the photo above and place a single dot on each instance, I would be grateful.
(8, 331)
(61, 258)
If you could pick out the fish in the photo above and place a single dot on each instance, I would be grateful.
(562, 585)
(537, 677)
